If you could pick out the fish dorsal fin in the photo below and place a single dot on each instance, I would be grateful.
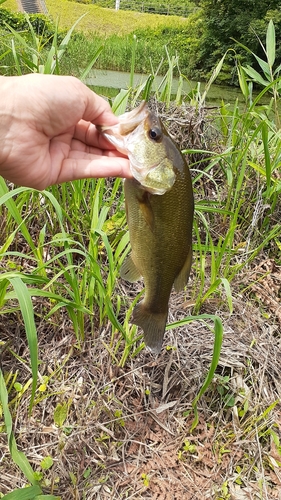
(129, 271)
(182, 278)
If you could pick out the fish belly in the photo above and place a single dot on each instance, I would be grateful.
(160, 234)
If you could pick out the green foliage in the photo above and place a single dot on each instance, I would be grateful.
(42, 40)
(170, 7)
(26, 41)
(182, 42)
(199, 41)
(268, 75)
(40, 23)
(30, 52)
(241, 20)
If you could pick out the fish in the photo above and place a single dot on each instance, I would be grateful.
(159, 204)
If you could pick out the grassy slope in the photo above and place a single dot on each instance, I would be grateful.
(11, 4)
(106, 21)
(115, 27)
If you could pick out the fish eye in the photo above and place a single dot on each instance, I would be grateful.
(155, 134)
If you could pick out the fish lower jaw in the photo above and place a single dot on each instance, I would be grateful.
(149, 184)
(157, 178)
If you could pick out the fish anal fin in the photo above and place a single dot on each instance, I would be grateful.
(182, 278)
(153, 325)
(129, 271)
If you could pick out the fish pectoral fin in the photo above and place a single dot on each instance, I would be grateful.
(129, 271)
(143, 198)
(153, 325)
(148, 216)
(182, 278)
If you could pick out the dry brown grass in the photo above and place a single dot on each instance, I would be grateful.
(127, 431)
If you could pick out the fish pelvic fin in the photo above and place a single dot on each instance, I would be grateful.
(182, 278)
(153, 325)
(129, 271)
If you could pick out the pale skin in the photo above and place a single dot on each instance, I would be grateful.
(48, 132)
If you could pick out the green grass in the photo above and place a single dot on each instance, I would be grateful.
(115, 31)
(11, 4)
(61, 250)
(107, 22)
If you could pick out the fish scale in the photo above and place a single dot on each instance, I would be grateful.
(159, 208)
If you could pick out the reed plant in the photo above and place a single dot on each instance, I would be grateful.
(70, 264)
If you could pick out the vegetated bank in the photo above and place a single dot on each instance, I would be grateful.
(200, 40)
(190, 38)
(113, 30)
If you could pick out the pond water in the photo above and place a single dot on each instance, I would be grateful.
(109, 83)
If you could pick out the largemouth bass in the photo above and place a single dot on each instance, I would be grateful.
(159, 209)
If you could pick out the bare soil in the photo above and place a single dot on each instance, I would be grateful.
(127, 430)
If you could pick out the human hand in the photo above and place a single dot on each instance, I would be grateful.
(48, 133)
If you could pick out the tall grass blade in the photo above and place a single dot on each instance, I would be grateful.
(63, 46)
(218, 331)
(6, 197)
(270, 43)
(26, 307)
(214, 75)
(148, 87)
(133, 61)
(88, 68)
(120, 102)
(16, 59)
(4, 282)
(179, 91)
(18, 456)
(252, 73)
(144, 89)
(264, 66)
(243, 82)
(267, 159)
(31, 29)
(2, 56)
(49, 64)
(227, 288)
(30, 493)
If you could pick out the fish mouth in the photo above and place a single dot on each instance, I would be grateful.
(128, 123)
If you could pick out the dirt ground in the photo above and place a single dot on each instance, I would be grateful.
(125, 432)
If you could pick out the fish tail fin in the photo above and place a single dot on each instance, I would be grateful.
(153, 325)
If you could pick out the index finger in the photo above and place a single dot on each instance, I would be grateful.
(97, 109)
(88, 134)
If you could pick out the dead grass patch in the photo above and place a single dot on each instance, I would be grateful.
(126, 432)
